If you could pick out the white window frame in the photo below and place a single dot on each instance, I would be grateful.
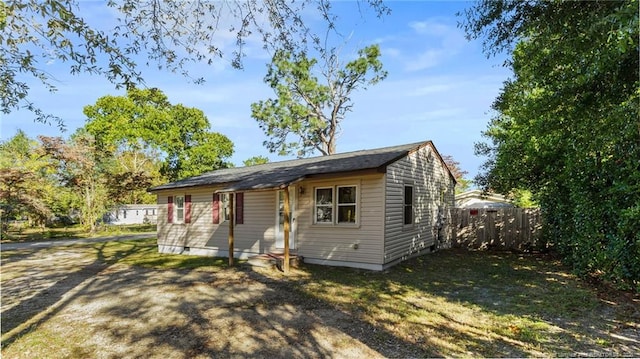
(224, 207)
(335, 205)
(316, 205)
(178, 208)
(346, 204)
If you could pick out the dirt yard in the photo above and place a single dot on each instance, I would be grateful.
(126, 311)
(80, 305)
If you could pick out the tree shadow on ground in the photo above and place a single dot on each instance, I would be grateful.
(144, 312)
(537, 306)
(53, 290)
(233, 312)
(133, 311)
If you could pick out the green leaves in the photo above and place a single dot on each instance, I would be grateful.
(25, 180)
(146, 122)
(171, 34)
(567, 126)
(307, 112)
(39, 31)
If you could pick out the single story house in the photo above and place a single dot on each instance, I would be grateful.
(366, 209)
(132, 214)
(479, 199)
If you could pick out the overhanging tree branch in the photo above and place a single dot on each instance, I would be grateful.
(171, 33)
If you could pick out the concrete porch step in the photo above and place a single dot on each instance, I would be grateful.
(270, 260)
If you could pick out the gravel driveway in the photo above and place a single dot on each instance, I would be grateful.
(87, 302)
(113, 311)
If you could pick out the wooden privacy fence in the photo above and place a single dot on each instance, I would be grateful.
(504, 228)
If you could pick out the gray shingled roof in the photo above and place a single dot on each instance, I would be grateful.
(281, 174)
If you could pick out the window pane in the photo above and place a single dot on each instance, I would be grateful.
(179, 208)
(324, 214)
(408, 205)
(408, 195)
(225, 206)
(346, 195)
(347, 214)
(408, 215)
(324, 196)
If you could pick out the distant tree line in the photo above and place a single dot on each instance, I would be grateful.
(128, 144)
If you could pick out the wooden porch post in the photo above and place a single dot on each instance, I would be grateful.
(231, 215)
(287, 227)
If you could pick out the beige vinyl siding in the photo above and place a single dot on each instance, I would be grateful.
(425, 172)
(255, 235)
(361, 242)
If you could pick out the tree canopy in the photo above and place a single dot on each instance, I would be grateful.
(81, 167)
(255, 160)
(128, 144)
(462, 184)
(566, 124)
(169, 34)
(25, 184)
(312, 98)
(144, 125)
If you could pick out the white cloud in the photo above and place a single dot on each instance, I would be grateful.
(429, 43)
(427, 59)
(440, 87)
(433, 27)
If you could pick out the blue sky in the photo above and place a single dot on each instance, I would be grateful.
(440, 86)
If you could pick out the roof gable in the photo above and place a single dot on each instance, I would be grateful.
(280, 174)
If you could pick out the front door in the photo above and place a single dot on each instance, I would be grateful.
(280, 218)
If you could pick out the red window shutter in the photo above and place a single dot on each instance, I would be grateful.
(170, 209)
(216, 208)
(240, 208)
(187, 208)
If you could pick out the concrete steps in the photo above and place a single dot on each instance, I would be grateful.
(273, 260)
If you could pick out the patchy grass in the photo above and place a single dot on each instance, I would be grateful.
(30, 234)
(144, 253)
(140, 252)
(471, 303)
(139, 303)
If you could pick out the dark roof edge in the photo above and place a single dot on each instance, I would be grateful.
(443, 162)
(229, 186)
(418, 147)
(268, 188)
(158, 189)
